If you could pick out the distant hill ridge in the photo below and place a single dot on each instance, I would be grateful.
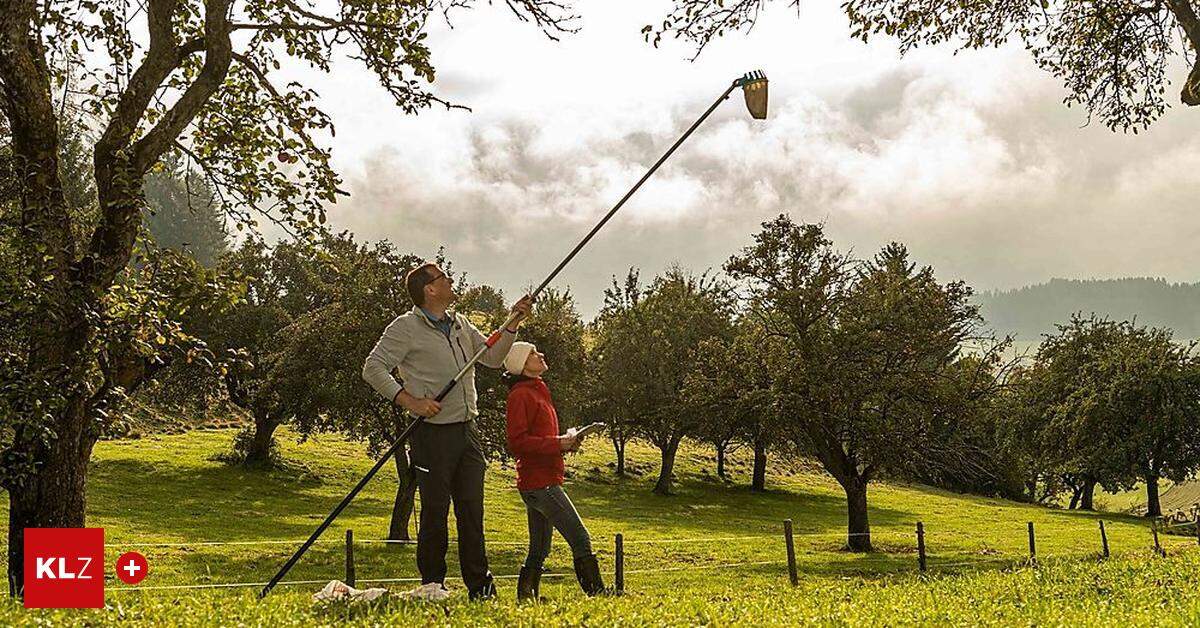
(1034, 310)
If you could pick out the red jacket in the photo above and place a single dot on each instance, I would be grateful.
(533, 435)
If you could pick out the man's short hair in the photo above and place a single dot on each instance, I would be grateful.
(416, 280)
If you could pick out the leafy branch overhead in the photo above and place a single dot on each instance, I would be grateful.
(203, 75)
(1114, 58)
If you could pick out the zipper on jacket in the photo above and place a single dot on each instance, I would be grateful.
(458, 339)
(466, 402)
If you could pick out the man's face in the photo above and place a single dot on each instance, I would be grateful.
(440, 289)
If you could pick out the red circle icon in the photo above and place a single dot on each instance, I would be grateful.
(132, 567)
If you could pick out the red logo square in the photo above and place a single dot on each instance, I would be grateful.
(64, 567)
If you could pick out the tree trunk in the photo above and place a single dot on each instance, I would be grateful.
(758, 480)
(46, 476)
(406, 491)
(619, 447)
(1087, 500)
(54, 497)
(858, 538)
(663, 485)
(1153, 507)
(721, 461)
(1075, 494)
(259, 449)
(69, 287)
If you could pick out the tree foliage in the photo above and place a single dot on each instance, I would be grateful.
(875, 367)
(197, 76)
(1109, 403)
(1113, 57)
(732, 389)
(182, 213)
(653, 345)
(608, 395)
(1031, 312)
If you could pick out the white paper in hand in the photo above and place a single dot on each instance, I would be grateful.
(581, 432)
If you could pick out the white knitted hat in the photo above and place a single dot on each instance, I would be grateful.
(514, 362)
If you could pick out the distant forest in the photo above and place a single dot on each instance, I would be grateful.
(1034, 310)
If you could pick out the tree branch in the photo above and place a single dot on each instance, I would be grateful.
(161, 59)
(218, 56)
(221, 186)
(318, 23)
(266, 84)
(1186, 14)
(190, 47)
(33, 129)
(547, 15)
(117, 176)
(324, 26)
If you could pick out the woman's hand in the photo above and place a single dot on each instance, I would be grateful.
(568, 442)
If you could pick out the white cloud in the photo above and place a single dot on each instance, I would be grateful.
(971, 160)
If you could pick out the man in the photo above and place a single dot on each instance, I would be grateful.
(429, 345)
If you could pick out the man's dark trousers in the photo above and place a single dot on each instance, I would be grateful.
(450, 464)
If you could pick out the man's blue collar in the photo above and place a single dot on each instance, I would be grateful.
(445, 318)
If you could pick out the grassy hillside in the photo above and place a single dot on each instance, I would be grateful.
(165, 497)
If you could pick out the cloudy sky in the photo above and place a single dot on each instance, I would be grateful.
(970, 160)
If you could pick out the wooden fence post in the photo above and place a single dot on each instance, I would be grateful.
(791, 551)
(1103, 538)
(1032, 543)
(350, 557)
(921, 545)
(1157, 547)
(619, 575)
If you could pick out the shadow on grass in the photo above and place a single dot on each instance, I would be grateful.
(212, 502)
(704, 508)
(233, 503)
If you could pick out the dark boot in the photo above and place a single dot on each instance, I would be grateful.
(528, 583)
(485, 592)
(587, 571)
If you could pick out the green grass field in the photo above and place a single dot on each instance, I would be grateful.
(711, 554)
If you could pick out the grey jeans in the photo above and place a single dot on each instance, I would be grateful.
(550, 509)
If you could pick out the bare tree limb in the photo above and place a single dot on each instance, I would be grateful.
(324, 26)
(547, 15)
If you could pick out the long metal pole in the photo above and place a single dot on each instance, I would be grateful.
(635, 187)
(403, 437)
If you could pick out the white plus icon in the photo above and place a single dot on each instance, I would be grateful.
(131, 567)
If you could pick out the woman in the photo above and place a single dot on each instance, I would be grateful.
(534, 441)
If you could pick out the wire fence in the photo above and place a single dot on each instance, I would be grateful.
(411, 580)
(336, 541)
(915, 543)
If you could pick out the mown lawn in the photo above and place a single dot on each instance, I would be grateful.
(166, 497)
